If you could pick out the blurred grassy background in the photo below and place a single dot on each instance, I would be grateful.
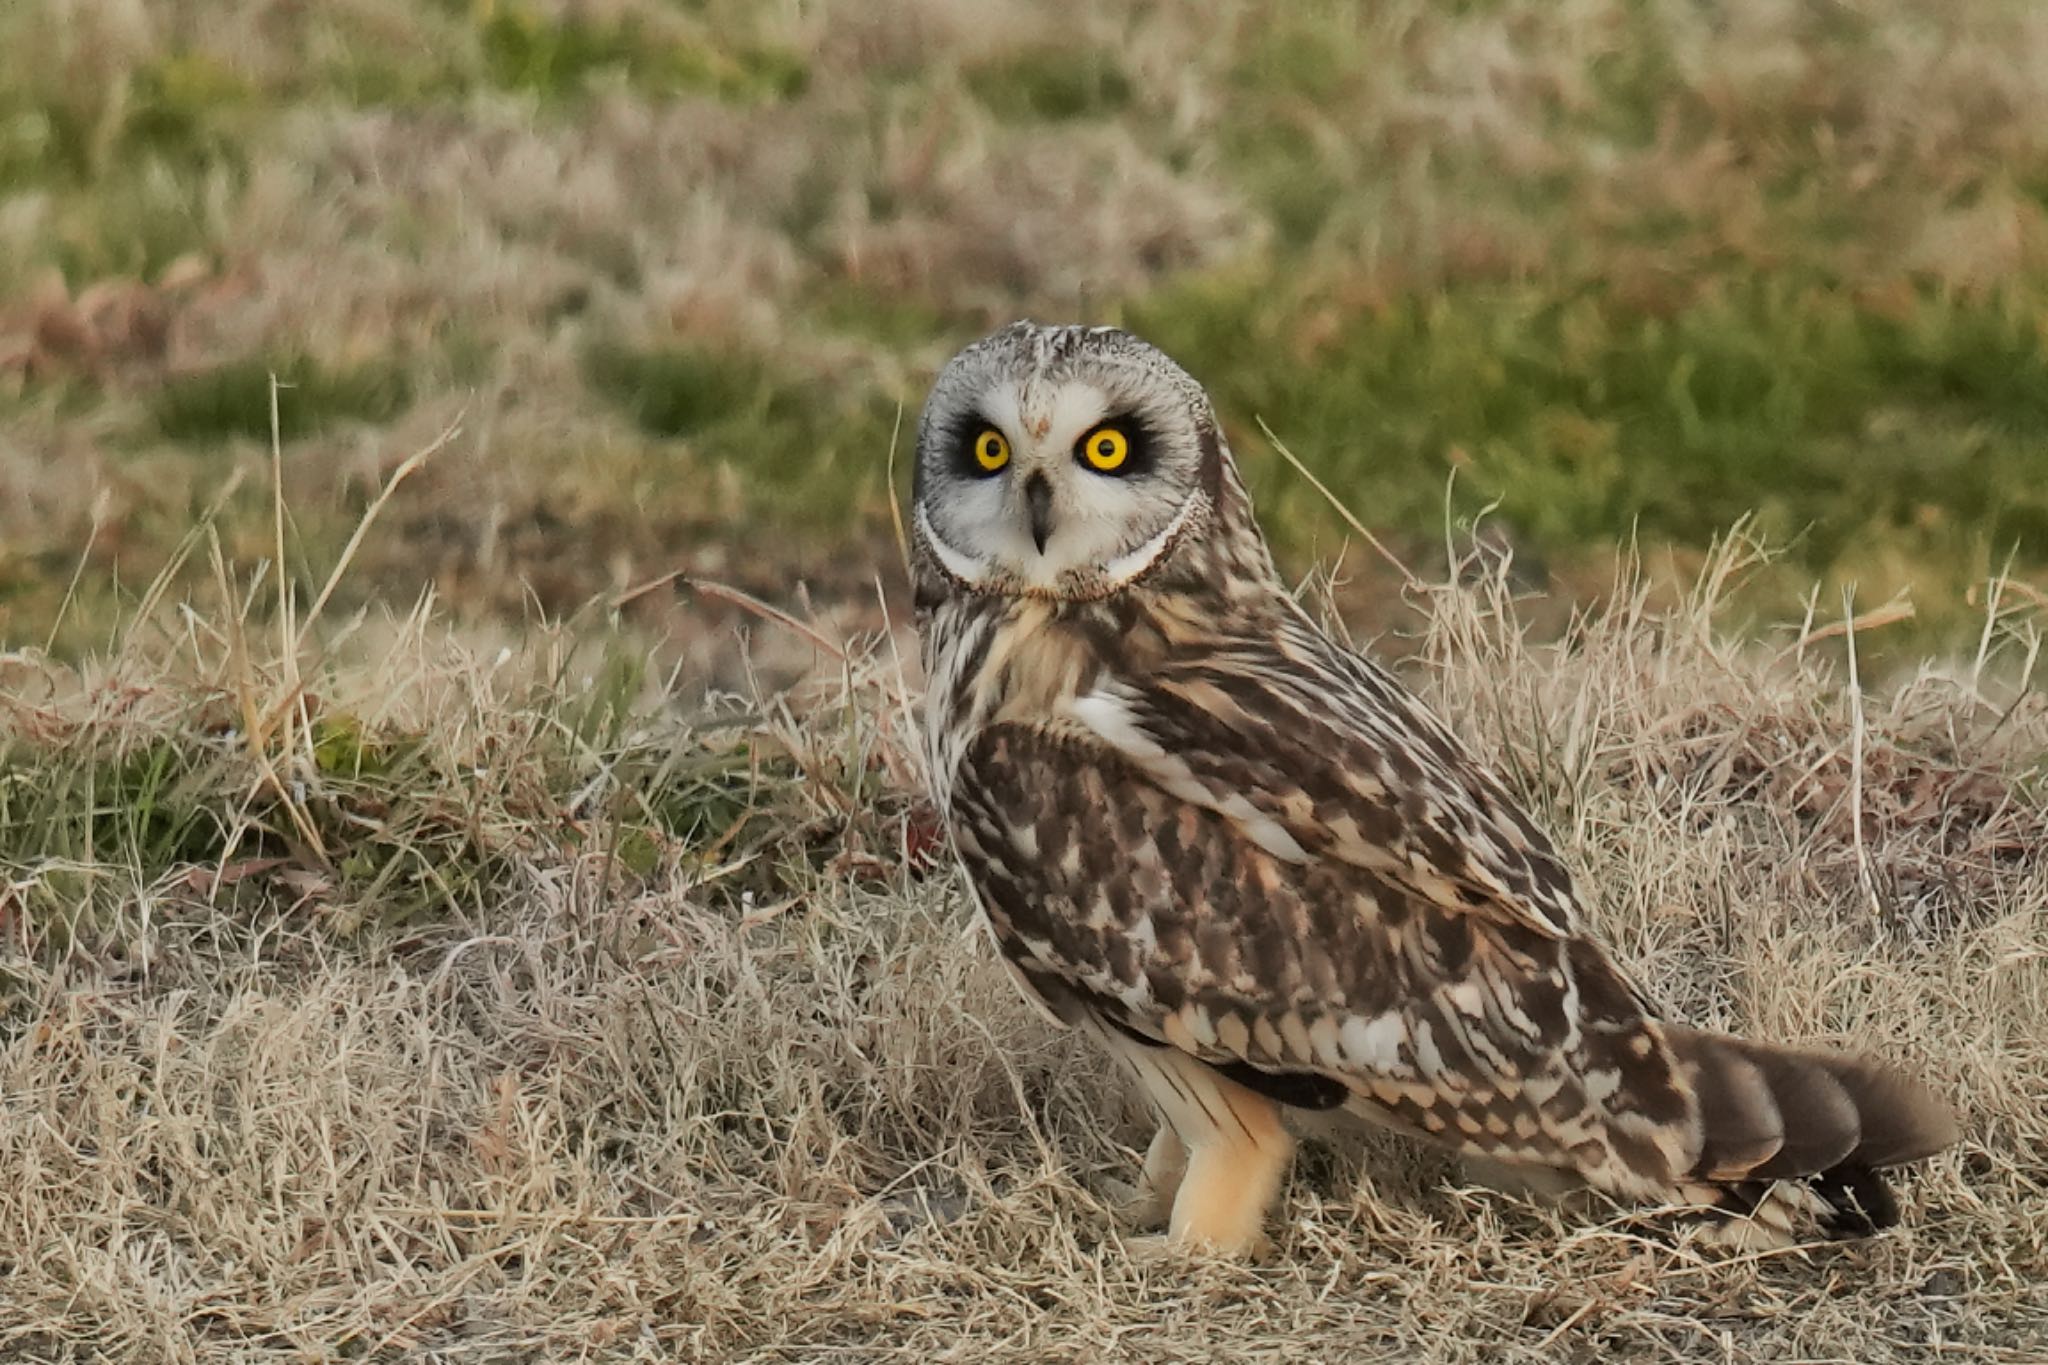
(1616, 268)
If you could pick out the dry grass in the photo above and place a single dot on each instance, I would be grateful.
(683, 1048)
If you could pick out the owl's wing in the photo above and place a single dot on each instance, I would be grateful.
(1262, 853)
(1317, 755)
(1230, 928)
(1318, 982)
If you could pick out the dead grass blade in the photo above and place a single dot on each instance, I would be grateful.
(1358, 527)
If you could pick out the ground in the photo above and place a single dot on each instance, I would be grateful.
(427, 930)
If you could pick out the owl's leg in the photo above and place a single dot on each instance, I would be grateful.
(1166, 1161)
(1234, 1170)
(1225, 1143)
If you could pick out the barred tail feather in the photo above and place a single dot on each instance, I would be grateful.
(1830, 1120)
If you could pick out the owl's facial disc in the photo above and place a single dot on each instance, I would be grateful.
(1068, 477)
(1047, 493)
(1045, 573)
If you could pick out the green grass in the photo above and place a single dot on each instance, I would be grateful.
(1056, 85)
(561, 57)
(128, 162)
(183, 111)
(806, 449)
(684, 391)
(370, 824)
(1841, 426)
(895, 323)
(234, 399)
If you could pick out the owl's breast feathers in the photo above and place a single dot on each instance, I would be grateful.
(1250, 845)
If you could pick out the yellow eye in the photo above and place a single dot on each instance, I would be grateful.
(991, 451)
(1106, 449)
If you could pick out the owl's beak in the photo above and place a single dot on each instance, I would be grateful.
(1038, 496)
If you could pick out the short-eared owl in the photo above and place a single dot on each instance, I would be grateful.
(1263, 873)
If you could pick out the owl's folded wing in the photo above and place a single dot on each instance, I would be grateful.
(1315, 980)
(1317, 755)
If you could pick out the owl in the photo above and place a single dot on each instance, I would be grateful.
(1270, 881)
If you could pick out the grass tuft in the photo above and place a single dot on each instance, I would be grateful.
(233, 399)
(805, 451)
(559, 57)
(1055, 84)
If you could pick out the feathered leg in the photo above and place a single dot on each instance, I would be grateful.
(1221, 1153)
(1166, 1162)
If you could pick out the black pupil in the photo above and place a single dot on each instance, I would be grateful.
(1105, 447)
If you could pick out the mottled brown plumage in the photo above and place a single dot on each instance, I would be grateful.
(1261, 870)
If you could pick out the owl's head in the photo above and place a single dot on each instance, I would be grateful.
(1066, 462)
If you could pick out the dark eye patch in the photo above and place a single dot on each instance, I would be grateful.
(958, 439)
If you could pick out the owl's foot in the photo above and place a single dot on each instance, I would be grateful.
(1163, 1248)
(1229, 1184)
(1151, 1203)
(1220, 1155)
(1214, 1199)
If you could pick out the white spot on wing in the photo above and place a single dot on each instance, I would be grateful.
(1144, 938)
(1375, 1043)
(1600, 1085)
(1426, 1055)
(1323, 1035)
(1261, 829)
(1110, 718)
(1468, 995)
